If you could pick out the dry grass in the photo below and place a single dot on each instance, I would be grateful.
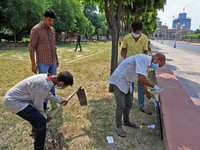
(76, 127)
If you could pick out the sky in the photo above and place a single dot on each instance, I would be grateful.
(174, 7)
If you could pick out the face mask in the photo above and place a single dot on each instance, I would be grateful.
(154, 66)
(57, 87)
(135, 35)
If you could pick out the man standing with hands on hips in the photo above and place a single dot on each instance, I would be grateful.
(42, 41)
(133, 44)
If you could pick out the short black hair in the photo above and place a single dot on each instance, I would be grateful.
(137, 26)
(66, 77)
(50, 13)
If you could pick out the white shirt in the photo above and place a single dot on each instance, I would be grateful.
(127, 71)
(30, 91)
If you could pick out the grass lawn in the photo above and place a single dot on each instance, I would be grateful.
(75, 127)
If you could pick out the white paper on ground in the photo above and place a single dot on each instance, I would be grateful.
(110, 139)
(151, 126)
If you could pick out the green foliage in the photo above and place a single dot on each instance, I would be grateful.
(65, 16)
(97, 20)
(6, 31)
(191, 36)
(197, 31)
(144, 11)
(20, 14)
(149, 21)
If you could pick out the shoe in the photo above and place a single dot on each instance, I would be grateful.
(75, 50)
(80, 51)
(120, 132)
(144, 110)
(131, 124)
(31, 133)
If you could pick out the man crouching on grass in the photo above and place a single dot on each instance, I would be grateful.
(26, 100)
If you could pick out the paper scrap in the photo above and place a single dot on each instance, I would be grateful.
(151, 126)
(110, 139)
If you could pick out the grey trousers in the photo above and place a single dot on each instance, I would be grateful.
(123, 105)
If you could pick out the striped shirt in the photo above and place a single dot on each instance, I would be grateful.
(42, 40)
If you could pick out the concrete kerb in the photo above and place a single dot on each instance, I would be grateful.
(180, 117)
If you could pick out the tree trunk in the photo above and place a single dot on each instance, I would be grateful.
(128, 22)
(113, 22)
(58, 34)
(114, 56)
(15, 38)
(65, 37)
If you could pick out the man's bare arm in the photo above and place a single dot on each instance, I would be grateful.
(145, 82)
(34, 66)
(123, 52)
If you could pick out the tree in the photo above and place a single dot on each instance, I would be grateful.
(144, 11)
(97, 19)
(197, 31)
(20, 15)
(69, 17)
(112, 9)
(113, 12)
(65, 16)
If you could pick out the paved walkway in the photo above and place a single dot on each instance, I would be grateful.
(185, 66)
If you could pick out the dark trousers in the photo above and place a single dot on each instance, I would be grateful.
(123, 106)
(78, 43)
(38, 122)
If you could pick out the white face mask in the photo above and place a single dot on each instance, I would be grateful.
(154, 66)
(136, 35)
(57, 87)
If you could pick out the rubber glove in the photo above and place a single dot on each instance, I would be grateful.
(121, 60)
(154, 101)
(157, 88)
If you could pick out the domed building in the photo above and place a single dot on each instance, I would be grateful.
(162, 31)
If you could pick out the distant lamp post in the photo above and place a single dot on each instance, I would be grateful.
(162, 40)
(190, 38)
(177, 24)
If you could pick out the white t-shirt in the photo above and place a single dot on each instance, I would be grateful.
(30, 91)
(127, 72)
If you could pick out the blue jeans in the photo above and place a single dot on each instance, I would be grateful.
(140, 94)
(52, 69)
(78, 43)
(38, 122)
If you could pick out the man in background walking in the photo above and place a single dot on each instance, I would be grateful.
(78, 42)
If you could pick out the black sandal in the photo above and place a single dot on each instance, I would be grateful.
(120, 133)
(131, 124)
(145, 111)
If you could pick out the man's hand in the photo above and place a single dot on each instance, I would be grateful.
(64, 102)
(57, 63)
(154, 101)
(34, 68)
(157, 88)
(48, 119)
